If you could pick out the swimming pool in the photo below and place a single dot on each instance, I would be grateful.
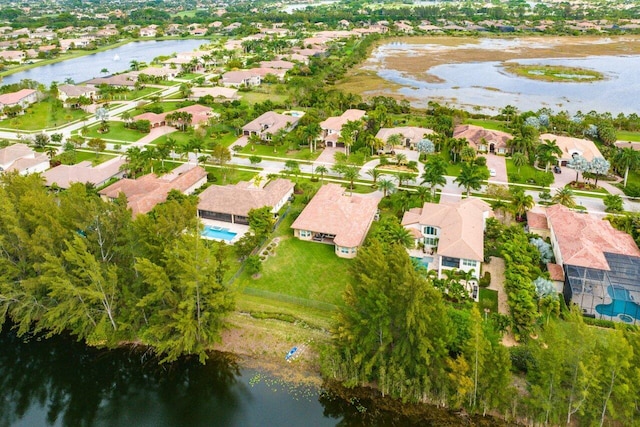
(218, 233)
(622, 305)
(423, 262)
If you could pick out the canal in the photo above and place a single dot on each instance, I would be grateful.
(114, 60)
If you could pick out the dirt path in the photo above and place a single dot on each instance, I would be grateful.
(496, 268)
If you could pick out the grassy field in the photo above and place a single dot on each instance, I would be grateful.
(42, 115)
(628, 136)
(166, 107)
(232, 175)
(135, 94)
(117, 131)
(253, 97)
(304, 270)
(489, 300)
(81, 156)
(281, 151)
(487, 124)
(526, 173)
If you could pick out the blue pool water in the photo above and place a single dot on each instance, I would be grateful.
(423, 262)
(219, 233)
(622, 305)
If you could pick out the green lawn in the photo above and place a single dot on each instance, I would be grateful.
(453, 169)
(488, 299)
(281, 151)
(166, 107)
(253, 97)
(134, 94)
(117, 131)
(232, 175)
(487, 124)
(306, 270)
(81, 156)
(628, 136)
(526, 173)
(42, 115)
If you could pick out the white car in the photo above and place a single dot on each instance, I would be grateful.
(492, 172)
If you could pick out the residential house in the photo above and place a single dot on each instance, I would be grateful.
(601, 265)
(64, 176)
(150, 31)
(572, 147)
(278, 64)
(232, 203)
(332, 126)
(279, 73)
(13, 56)
(484, 140)
(335, 217)
(66, 92)
(144, 193)
(164, 73)
(450, 235)
(22, 159)
(199, 115)
(23, 98)
(126, 80)
(411, 135)
(269, 124)
(239, 78)
(537, 222)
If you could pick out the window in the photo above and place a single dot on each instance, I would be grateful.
(431, 241)
(344, 250)
(305, 233)
(468, 263)
(450, 262)
(430, 230)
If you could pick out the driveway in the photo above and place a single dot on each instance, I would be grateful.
(500, 165)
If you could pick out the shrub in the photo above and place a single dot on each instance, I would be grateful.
(485, 280)
(413, 165)
(383, 161)
(211, 177)
(255, 160)
(632, 190)
(480, 161)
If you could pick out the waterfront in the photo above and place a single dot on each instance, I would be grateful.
(470, 74)
(114, 60)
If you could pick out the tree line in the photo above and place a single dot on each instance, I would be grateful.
(71, 262)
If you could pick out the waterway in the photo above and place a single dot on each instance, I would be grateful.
(478, 83)
(114, 60)
(60, 382)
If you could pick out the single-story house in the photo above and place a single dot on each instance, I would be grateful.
(279, 73)
(21, 158)
(268, 124)
(277, 64)
(232, 203)
(165, 73)
(12, 56)
(127, 80)
(411, 135)
(601, 265)
(452, 234)
(65, 175)
(334, 217)
(144, 193)
(241, 78)
(23, 98)
(200, 114)
(484, 140)
(332, 126)
(573, 147)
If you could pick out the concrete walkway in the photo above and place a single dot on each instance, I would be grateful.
(153, 135)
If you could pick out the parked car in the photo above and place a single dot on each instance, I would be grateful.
(556, 169)
(492, 172)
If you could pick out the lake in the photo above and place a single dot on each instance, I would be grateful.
(61, 382)
(115, 60)
(469, 73)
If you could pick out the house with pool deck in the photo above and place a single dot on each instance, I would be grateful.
(232, 203)
(449, 235)
(601, 265)
(337, 218)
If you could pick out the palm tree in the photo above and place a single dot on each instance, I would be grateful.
(349, 133)
(564, 196)
(394, 140)
(629, 159)
(135, 65)
(467, 154)
(322, 170)
(405, 176)
(509, 112)
(374, 174)
(401, 159)
(311, 133)
(521, 202)
(470, 177)
(423, 194)
(401, 236)
(350, 173)
(434, 170)
(455, 146)
(548, 152)
(254, 139)
(519, 160)
(386, 185)
(51, 152)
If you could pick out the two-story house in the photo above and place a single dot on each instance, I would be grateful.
(268, 124)
(332, 127)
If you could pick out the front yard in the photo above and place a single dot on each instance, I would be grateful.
(42, 115)
(117, 132)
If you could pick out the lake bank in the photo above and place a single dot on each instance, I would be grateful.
(468, 72)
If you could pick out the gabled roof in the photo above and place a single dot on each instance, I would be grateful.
(331, 211)
(336, 123)
(240, 198)
(270, 122)
(74, 91)
(414, 133)
(461, 226)
(584, 239)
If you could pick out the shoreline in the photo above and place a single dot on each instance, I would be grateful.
(81, 53)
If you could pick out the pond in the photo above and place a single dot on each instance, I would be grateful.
(114, 60)
(61, 382)
(471, 75)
